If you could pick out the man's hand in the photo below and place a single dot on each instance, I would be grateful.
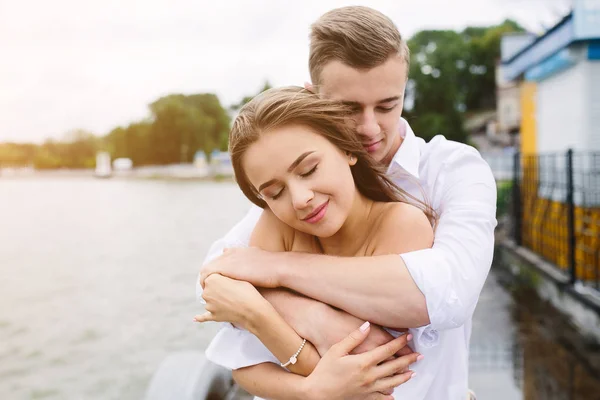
(249, 264)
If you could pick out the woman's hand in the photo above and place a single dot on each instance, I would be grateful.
(230, 300)
(341, 375)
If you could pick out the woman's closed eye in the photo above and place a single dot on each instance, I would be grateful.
(309, 173)
(277, 195)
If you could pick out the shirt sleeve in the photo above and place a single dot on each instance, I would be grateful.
(235, 348)
(451, 274)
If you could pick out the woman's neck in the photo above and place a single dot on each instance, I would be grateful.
(353, 234)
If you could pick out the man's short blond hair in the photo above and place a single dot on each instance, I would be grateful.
(357, 36)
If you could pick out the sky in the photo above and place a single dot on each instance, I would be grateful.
(95, 65)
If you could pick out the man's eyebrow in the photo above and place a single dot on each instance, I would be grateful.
(389, 99)
(358, 104)
(290, 169)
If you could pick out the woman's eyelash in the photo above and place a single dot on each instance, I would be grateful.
(312, 171)
(277, 195)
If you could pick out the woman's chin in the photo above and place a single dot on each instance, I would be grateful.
(325, 231)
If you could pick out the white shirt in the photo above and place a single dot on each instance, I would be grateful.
(457, 182)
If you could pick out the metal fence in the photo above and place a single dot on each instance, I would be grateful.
(556, 211)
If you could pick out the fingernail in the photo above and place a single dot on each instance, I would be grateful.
(409, 337)
(421, 356)
(413, 375)
(364, 326)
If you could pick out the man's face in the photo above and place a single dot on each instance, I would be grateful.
(377, 95)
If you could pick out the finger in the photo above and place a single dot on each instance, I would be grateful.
(406, 350)
(355, 338)
(387, 391)
(203, 275)
(400, 364)
(386, 350)
(387, 359)
(207, 316)
(393, 381)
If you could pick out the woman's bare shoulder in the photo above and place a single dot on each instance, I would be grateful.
(401, 227)
(271, 234)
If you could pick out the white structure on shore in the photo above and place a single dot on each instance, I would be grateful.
(103, 168)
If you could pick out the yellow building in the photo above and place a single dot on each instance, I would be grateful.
(558, 75)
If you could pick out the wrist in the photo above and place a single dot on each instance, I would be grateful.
(307, 391)
(258, 316)
(280, 267)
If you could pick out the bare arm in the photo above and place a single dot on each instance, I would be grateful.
(239, 303)
(322, 324)
(378, 289)
(405, 228)
(270, 381)
(283, 341)
(273, 330)
(390, 298)
(338, 376)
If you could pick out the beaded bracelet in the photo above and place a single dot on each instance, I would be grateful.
(294, 359)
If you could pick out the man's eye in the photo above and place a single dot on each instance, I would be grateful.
(386, 109)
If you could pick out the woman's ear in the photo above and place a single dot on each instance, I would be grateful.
(352, 159)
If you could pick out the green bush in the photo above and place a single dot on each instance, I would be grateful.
(504, 196)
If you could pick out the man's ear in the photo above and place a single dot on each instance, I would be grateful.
(309, 86)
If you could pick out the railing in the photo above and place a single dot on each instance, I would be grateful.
(556, 211)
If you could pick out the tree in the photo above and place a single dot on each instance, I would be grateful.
(434, 75)
(452, 73)
(183, 125)
(246, 99)
(483, 54)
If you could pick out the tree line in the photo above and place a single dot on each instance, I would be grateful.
(452, 74)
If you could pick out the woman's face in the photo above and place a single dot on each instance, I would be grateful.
(304, 179)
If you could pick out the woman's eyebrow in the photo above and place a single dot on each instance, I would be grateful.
(290, 169)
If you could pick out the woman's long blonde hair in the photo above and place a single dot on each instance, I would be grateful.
(294, 105)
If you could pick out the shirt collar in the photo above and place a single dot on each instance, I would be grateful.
(408, 155)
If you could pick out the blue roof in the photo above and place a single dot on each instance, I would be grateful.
(581, 24)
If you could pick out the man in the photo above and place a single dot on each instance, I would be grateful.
(358, 56)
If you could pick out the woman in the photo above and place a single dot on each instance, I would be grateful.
(295, 156)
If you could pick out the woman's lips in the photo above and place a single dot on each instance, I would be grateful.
(317, 214)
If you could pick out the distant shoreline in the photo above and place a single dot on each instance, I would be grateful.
(141, 173)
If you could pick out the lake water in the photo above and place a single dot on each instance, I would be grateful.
(97, 287)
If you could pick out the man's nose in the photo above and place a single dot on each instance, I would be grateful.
(368, 126)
